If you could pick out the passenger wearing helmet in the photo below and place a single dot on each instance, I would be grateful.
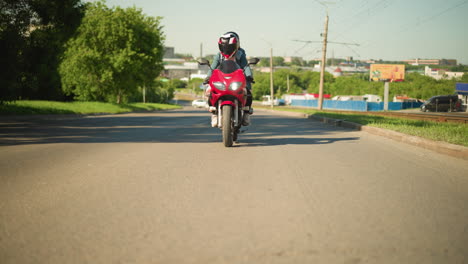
(229, 49)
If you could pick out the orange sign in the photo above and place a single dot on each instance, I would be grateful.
(387, 72)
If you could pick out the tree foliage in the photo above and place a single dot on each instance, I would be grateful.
(114, 53)
(415, 85)
(32, 34)
(299, 81)
(158, 92)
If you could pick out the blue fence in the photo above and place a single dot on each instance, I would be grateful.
(356, 105)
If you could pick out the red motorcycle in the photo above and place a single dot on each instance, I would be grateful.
(228, 95)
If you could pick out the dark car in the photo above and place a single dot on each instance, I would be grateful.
(442, 103)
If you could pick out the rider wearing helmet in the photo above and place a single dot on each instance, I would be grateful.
(229, 49)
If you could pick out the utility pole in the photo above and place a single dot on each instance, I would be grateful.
(324, 59)
(386, 92)
(271, 78)
(287, 82)
(201, 50)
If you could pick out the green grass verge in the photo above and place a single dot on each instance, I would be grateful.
(447, 132)
(52, 107)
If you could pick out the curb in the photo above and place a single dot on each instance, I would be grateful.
(453, 150)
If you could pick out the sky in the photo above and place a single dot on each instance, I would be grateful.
(371, 29)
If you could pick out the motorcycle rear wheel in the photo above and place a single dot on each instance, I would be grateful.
(227, 125)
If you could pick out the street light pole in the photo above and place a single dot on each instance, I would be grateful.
(271, 74)
(324, 59)
(271, 78)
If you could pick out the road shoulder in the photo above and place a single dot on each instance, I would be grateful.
(453, 150)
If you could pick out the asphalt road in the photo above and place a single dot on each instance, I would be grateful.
(161, 188)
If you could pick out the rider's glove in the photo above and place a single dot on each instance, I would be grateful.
(206, 81)
(250, 79)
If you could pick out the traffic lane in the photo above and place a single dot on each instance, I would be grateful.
(397, 197)
(31, 144)
(187, 125)
(172, 201)
(100, 128)
(54, 184)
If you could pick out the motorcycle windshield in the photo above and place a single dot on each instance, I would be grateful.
(228, 66)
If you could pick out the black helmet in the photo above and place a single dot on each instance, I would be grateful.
(229, 44)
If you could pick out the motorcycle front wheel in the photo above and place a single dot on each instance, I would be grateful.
(227, 125)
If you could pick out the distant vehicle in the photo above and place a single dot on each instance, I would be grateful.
(442, 103)
(348, 98)
(199, 103)
(372, 98)
(267, 101)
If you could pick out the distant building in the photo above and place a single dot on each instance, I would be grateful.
(177, 68)
(345, 70)
(291, 59)
(370, 61)
(442, 62)
(337, 72)
(185, 70)
(169, 53)
(439, 74)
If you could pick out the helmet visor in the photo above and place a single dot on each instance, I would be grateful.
(228, 49)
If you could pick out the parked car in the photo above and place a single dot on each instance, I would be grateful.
(442, 103)
(200, 103)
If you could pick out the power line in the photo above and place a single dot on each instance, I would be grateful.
(418, 23)
(366, 8)
(307, 42)
(361, 13)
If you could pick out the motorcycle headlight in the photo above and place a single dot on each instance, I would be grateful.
(219, 86)
(235, 86)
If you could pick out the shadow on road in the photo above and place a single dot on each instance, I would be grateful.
(292, 141)
(277, 130)
(180, 126)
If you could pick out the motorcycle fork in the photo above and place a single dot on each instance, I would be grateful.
(235, 112)
(220, 116)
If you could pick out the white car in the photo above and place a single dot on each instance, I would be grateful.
(199, 103)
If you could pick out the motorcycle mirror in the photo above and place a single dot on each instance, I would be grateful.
(253, 61)
(203, 62)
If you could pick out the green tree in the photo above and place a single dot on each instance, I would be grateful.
(32, 34)
(195, 84)
(261, 86)
(310, 81)
(114, 52)
(464, 78)
(264, 62)
(415, 84)
(277, 61)
(158, 92)
(298, 62)
(281, 82)
(14, 21)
